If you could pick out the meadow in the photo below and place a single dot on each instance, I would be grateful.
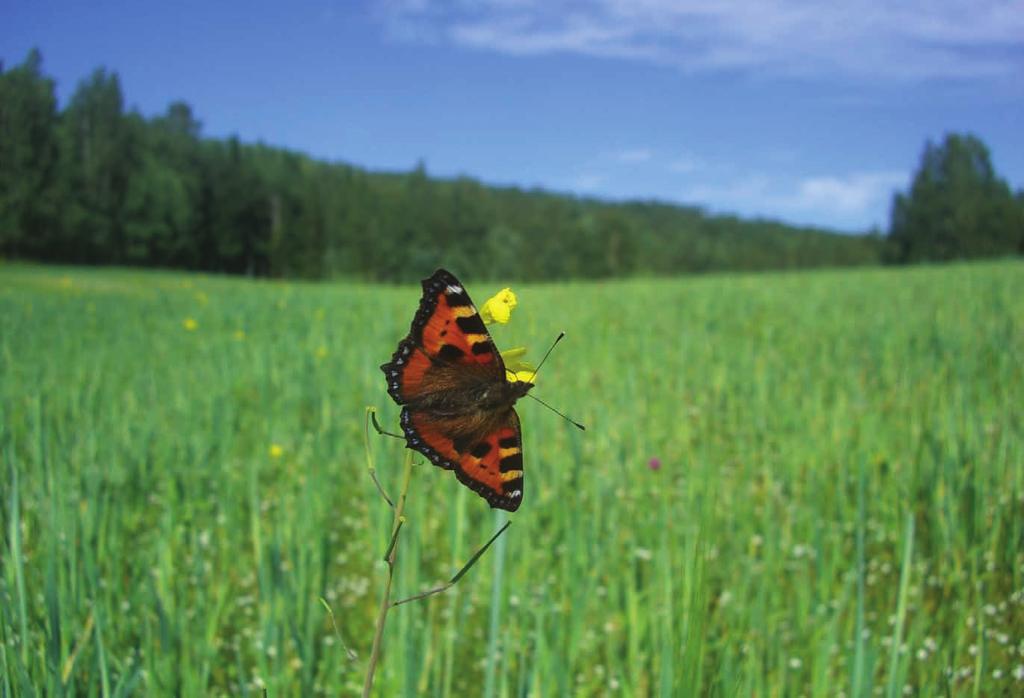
(791, 484)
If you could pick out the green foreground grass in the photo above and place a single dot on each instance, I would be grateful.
(839, 508)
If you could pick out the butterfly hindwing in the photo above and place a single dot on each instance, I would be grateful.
(490, 464)
(430, 437)
(493, 467)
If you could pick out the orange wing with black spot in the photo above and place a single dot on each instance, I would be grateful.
(490, 464)
(447, 329)
(441, 374)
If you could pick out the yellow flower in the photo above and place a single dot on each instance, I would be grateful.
(498, 307)
(190, 324)
(520, 376)
(513, 355)
(276, 451)
(240, 335)
(515, 368)
(321, 352)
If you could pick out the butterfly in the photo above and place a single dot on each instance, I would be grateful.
(457, 404)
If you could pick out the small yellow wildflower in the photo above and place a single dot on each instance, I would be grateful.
(513, 356)
(276, 451)
(321, 352)
(190, 324)
(240, 335)
(498, 307)
(515, 368)
(520, 376)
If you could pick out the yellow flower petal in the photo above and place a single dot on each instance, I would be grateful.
(190, 324)
(512, 355)
(520, 376)
(498, 307)
(276, 451)
(513, 360)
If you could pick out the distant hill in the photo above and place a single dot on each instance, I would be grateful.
(95, 183)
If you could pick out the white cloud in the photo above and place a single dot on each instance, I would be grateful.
(860, 199)
(633, 155)
(853, 194)
(903, 39)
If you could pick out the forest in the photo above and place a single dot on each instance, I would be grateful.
(97, 183)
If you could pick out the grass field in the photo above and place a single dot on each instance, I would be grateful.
(839, 507)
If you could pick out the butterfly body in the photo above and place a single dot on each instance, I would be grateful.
(470, 406)
(457, 404)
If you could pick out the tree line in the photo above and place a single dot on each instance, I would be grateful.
(96, 183)
(957, 207)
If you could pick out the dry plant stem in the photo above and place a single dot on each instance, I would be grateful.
(458, 575)
(389, 558)
(371, 415)
(83, 637)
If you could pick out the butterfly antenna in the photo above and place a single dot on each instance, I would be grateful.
(546, 355)
(563, 416)
(533, 380)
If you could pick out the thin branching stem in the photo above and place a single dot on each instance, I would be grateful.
(330, 612)
(394, 540)
(371, 415)
(385, 602)
(381, 430)
(392, 550)
(458, 575)
(424, 594)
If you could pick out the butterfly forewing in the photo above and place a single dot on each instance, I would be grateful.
(447, 329)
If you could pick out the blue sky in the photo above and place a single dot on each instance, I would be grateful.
(800, 111)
